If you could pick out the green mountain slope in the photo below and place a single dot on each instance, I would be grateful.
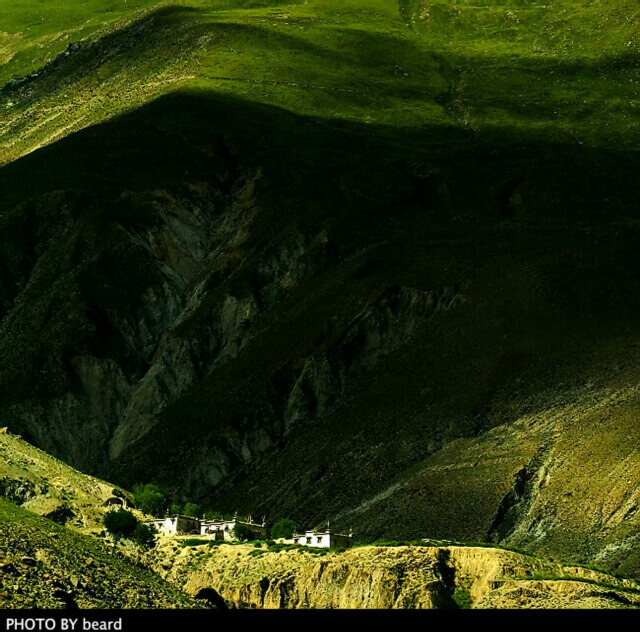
(367, 262)
(564, 70)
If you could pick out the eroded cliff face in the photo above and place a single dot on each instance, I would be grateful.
(117, 305)
(388, 577)
(95, 323)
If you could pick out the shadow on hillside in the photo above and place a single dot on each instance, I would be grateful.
(181, 137)
(362, 68)
(538, 240)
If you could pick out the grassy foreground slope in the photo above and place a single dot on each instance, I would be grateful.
(49, 555)
(45, 565)
(369, 262)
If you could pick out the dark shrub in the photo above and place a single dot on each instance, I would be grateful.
(120, 524)
(196, 542)
(151, 499)
(192, 510)
(144, 535)
(242, 532)
(284, 528)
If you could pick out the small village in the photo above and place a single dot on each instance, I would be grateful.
(227, 530)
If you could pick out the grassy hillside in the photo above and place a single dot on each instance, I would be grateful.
(48, 487)
(35, 32)
(565, 70)
(368, 262)
(44, 565)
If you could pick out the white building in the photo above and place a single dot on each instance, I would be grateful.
(224, 529)
(324, 539)
(175, 525)
(218, 529)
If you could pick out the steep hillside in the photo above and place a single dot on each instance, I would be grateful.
(231, 350)
(48, 487)
(374, 264)
(389, 577)
(45, 565)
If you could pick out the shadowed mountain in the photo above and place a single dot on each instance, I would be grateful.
(288, 315)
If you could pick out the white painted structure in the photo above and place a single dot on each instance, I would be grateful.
(175, 525)
(218, 529)
(324, 539)
(224, 529)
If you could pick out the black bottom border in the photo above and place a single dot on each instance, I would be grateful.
(131, 620)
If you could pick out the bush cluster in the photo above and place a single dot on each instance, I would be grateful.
(284, 528)
(156, 501)
(123, 524)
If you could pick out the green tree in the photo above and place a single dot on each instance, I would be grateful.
(242, 532)
(192, 510)
(175, 509)
(120, 524)
(151, 499)
(284, 528)
(144, 535)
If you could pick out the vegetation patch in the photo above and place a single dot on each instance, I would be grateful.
(462, 598)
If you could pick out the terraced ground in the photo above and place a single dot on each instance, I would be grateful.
(373, 262)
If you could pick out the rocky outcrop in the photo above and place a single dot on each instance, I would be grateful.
(384, 327)
(18, 490)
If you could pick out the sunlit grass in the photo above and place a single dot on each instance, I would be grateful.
(563, 71)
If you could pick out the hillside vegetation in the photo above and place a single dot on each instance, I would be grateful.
(564, 70)
(367, 262)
